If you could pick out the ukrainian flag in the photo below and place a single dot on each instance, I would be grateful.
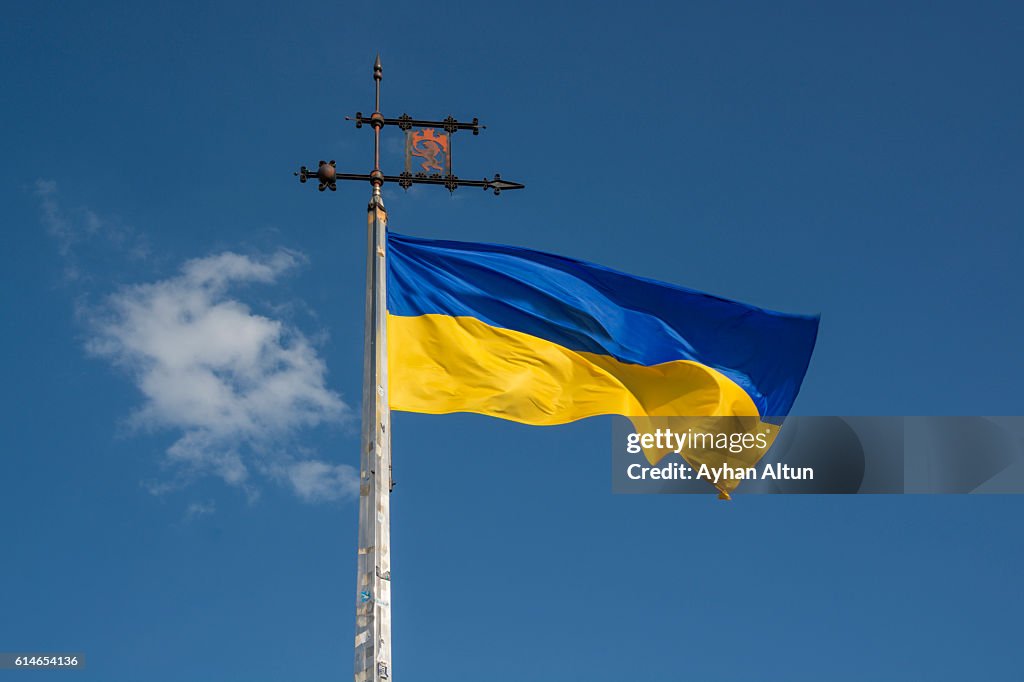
(543, 339)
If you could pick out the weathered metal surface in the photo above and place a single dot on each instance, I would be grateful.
(373, 588)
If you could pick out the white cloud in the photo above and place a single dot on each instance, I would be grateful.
(317, 481)
(237, 387)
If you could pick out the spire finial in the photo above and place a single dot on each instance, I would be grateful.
(378, 70)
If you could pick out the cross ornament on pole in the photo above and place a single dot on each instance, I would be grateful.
(327, 173)
(427, 162)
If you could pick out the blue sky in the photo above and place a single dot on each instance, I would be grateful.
(859, 162)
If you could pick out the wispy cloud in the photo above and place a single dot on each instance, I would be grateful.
(196, 510)
(80, 229)
(319, 482)
(237, 389)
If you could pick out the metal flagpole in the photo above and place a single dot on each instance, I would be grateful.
(373, 608)
(373, 583)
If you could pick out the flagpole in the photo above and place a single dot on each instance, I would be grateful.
(373, 582)
(373, 601)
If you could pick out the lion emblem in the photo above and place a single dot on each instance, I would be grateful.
(431, 147)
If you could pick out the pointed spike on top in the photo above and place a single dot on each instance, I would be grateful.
(378, 70)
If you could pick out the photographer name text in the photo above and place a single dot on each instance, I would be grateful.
(676, 471)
